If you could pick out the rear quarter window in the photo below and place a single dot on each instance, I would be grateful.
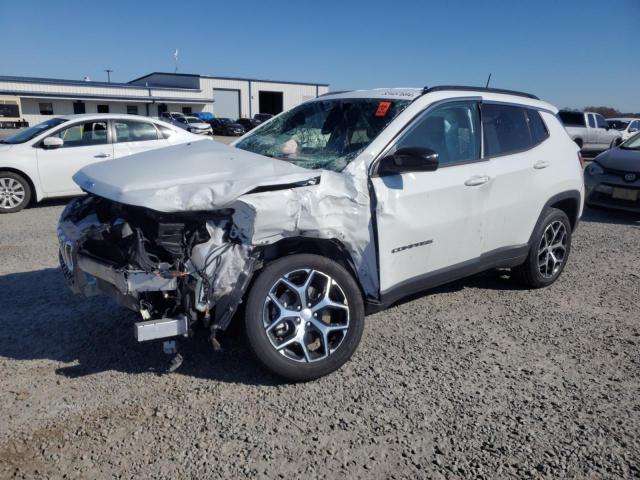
(572, 119)
(539, 132)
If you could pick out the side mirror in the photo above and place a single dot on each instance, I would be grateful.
(52, 142)
(409, 159)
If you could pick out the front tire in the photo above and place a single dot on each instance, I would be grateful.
(15, 192)
(549, 251)
(304, 317)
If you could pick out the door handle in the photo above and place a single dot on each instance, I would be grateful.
(102, 155)
(477, 180)
(540, 164)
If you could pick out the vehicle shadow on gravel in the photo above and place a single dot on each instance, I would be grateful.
(41, 319)
(497, 279)
(615, 217)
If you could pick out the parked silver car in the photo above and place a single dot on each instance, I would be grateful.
(194, 125)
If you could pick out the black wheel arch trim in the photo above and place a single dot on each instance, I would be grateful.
(573, 195)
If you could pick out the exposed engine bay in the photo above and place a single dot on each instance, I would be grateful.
(190, 266)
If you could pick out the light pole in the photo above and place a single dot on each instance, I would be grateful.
(108, 70)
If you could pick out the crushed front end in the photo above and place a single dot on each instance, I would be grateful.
(176, 270)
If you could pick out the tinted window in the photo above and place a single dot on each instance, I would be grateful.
(506, 129)
(103, 108)
(592, 122)
(538, 129)
(84, 134)
(132, 109)
(46, 108)
(635, 125)
(9, 109)
(78, 108)
(452, 130)
(131, 131)
(572, 119)
(600, 121)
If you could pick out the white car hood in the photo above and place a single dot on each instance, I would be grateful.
(200, 125)
(5, 147)
(197, 176)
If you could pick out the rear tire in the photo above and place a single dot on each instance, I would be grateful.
(15, 192)
(549, 251)
(304, 317)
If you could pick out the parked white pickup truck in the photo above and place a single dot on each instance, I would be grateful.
(590, 131)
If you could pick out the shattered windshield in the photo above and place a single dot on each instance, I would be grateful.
(324, 134)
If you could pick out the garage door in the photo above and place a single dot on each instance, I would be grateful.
(226, 103)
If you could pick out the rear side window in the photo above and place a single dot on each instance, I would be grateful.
(538, 129)
(164, 131)
(600, 121)
(572, 119)
(506, 129)
(131, 131)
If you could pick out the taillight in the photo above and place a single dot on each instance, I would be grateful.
(581, 160)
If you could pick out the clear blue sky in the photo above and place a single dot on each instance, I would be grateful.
(572, 53)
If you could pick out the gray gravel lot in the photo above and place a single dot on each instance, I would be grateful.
(476, 379)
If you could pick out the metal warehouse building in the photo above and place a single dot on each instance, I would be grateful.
(34, 99)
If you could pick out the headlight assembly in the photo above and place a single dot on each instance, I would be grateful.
(594, 169)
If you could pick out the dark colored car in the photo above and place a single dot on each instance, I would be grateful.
(263, 117)
(612, 180)
(226, 126)
(248, 123)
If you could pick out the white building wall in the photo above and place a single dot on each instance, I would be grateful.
(208, 84)
(31, 108)
(292, 94)
(202, 88)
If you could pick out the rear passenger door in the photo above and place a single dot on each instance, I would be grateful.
(135, 136)
(520, 166)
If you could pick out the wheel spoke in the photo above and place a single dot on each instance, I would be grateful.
(275, 323)
(287, 343)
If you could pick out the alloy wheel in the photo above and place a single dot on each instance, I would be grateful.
(12, 193)
(306, 315)
(552, 249)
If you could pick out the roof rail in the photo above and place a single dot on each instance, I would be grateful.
(334, 93)
(440, 88)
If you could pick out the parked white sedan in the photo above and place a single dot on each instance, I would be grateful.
(38, 162)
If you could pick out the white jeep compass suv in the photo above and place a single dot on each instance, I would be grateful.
(340, 206)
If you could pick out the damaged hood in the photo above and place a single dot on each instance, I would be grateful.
(196, 176)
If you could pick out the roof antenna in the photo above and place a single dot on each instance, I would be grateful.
(488, 80)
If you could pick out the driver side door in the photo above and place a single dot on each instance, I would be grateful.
(84, 143)
(430, 224)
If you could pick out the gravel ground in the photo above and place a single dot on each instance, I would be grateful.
(476, 379)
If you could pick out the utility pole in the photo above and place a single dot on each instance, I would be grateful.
(108, 70)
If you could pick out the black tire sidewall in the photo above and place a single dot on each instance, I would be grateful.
(27, 191)
(257, 336)
(551, 215)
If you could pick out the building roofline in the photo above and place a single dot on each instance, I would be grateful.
(242, 79)
(106, 98)
(60, 81)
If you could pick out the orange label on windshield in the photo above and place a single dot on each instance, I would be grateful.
(383, 108)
